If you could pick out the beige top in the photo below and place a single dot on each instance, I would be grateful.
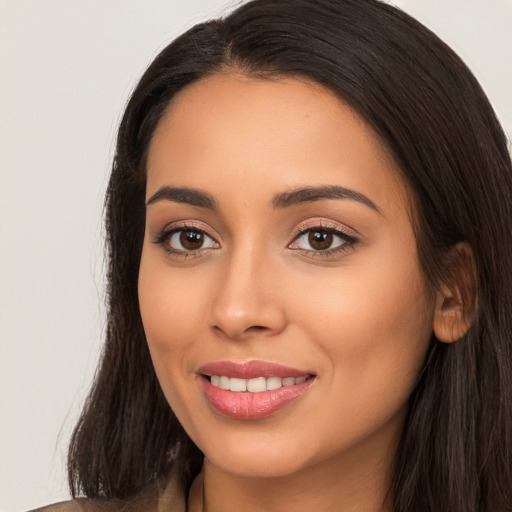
(155, 498)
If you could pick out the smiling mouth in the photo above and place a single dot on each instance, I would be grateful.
(254, 389)
(255, 385)
(254, 398)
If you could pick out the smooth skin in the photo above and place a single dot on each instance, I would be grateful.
(331, 286)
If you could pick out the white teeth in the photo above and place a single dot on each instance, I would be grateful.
(237, 384)
(223, 382)
(274, 383)
(256, 385)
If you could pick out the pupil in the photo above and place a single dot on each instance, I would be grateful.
(191, 240)
(320, 240)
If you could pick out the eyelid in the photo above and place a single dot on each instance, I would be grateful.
(348, 240)
(164, 233)
(321, 224)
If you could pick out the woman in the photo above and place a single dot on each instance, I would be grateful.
(308, 304)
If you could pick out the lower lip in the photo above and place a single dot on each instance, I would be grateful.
(252, 406)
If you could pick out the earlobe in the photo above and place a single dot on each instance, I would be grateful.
(450, 322)
(456, 298)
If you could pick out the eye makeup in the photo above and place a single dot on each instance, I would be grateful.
(318, 239)
(329, 238)
(190, 237)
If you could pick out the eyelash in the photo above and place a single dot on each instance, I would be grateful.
(348, 243)
(165, 235)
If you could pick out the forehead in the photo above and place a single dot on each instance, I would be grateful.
(282, 133)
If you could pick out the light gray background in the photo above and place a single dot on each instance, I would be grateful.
(66, 69)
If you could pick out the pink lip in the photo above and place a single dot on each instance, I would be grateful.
(251, 406)
(250, 370)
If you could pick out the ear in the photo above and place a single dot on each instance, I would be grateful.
(456, 296)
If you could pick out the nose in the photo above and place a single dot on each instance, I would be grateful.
(246, 300)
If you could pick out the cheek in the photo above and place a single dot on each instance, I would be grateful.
(364, 307)
(169, 310)
(166, 312)
(374, 324)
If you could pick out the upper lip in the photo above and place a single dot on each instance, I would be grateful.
(250, 370)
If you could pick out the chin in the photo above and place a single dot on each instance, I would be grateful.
(262, 467)
(263, 456)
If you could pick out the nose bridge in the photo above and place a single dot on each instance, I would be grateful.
(245, 298)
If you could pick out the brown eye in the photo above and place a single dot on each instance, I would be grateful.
(191, 240)
(320, 240)
(185, 240)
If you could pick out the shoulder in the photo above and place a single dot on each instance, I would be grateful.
(66, 506)
(154, 498)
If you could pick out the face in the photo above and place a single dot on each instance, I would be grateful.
(279, 256)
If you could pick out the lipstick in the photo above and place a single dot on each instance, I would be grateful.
(254, 389)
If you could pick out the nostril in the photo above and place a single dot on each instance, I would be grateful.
(240, 326)
(257, 330)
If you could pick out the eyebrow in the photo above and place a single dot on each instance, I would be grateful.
(311, 194)
(190, 196)
(295, 197)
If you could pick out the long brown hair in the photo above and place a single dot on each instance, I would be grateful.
(455, 453)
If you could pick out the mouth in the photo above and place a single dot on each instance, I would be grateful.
(252, 390)
(255, 385)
